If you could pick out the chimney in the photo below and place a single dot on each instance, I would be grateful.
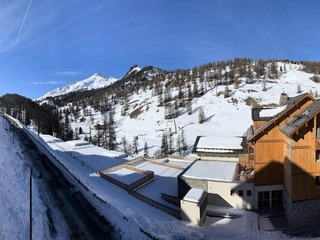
(283, 99)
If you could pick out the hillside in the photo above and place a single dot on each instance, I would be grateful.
(151, 111)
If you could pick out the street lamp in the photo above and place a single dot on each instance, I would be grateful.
(31, 169)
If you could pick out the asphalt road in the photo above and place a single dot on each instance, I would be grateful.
(80, 217)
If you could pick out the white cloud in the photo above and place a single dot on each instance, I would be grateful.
(47, 83)
(68, 73)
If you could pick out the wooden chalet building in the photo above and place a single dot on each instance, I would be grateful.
(284, 150)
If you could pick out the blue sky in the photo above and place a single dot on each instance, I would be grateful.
(56, 42)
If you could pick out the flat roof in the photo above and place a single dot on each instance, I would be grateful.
(126, 175)
(271, 112)
(223, 171)
(194, 195)
(94, 157)
(220, 142)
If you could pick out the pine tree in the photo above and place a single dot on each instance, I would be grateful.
(226, 92)
(274, 70)
(189, 107)
(311, 92)
(146, 150)
(170, 142)
(299, 89)
(183, 144)
(169, 111)
(164, 145)
(178, 144)
(264, 85)
(201, 117)
(236, 84)
(135, 145)
(111, 132)
(125, 145)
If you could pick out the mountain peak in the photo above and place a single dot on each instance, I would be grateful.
(95, 81)
(97, 74)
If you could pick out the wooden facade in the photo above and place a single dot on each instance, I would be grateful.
(287, 149)
(302, 164)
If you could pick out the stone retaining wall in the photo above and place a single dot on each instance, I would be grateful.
(302, 214)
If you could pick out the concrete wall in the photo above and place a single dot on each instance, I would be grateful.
(194, 212)
(185, 184)
(219, 193)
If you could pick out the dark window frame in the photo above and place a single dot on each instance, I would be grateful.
(317, 181)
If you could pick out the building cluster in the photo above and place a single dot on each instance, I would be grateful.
(275, 166)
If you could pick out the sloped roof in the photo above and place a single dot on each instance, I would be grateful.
(303, 117)
(290, 104)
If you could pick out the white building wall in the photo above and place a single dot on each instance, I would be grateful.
(228, 194)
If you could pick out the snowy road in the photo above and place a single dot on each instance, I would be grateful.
(70, 212)
(14, 192)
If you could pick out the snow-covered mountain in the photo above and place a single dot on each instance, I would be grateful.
(93, 82)
(150, 95)
(142, 115)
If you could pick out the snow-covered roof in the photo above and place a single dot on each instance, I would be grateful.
(299, 120)
(114, 154)
(230, 143)
(78, 143)
(214, 150)
(126, 175)
(194, 195)
(272, 111)
(212, 170)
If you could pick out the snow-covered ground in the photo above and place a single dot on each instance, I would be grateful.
(14, 192)
(130, 214)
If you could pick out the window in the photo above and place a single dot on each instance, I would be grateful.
(249, 193)
(276, 198)
(318, 132)
(318, 156)
(263, 199)
(240, 193)
(317, 181)
(270, 199)
(232, 192)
